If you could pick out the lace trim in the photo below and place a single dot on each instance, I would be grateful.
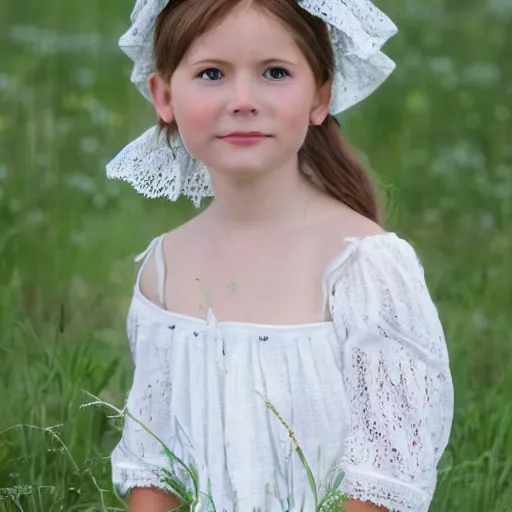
(154, 169)
(394, 495)
(126, 479)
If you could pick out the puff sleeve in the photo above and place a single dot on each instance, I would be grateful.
(396, 372)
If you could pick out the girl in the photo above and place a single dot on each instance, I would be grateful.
(285, 290)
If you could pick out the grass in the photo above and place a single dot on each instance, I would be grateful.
(437, 136)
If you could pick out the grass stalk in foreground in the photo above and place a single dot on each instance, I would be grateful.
(333, 499)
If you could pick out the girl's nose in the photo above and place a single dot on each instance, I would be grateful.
(244, 97)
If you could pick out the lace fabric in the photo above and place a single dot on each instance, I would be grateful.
(357, 29)
(155, 170)
(373, 389)
(397, 374)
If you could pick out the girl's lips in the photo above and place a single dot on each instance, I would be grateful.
(244, 139)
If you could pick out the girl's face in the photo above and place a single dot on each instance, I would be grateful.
(246, 75)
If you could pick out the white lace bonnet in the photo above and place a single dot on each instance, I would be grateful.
(357, 29)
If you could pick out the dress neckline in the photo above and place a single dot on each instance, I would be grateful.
(212, 321)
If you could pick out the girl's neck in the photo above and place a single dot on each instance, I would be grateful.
(274, 200)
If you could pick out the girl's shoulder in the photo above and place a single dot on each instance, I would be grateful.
(154, 259)
(365, 247)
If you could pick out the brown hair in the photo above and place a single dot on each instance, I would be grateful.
(325, 151)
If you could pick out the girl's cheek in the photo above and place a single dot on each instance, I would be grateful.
(197, 113)
(291, 115)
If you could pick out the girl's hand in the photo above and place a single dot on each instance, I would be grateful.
(360, 506)
(152, 500)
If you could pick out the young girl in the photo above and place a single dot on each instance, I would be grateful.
(285, 290)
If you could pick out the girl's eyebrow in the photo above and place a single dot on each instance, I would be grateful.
(226, 63)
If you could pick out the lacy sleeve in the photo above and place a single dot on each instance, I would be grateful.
(397, 376)
(138, 459)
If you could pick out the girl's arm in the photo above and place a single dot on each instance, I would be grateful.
(360, 506)
(138, 460)
(154, 500)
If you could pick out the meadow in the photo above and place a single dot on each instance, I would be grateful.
(437, 135)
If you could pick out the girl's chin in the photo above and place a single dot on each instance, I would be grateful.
(235, 169)
(240, 176)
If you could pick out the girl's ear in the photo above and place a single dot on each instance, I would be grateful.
(320, 106)
(160, 90)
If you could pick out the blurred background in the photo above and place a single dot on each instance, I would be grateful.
(437, 135)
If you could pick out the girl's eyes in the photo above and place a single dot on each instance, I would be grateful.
(213, 74)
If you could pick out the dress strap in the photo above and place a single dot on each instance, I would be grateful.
(160, 269)
(333, 271)
(156, 248)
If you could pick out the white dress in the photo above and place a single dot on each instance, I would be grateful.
(369, 393)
